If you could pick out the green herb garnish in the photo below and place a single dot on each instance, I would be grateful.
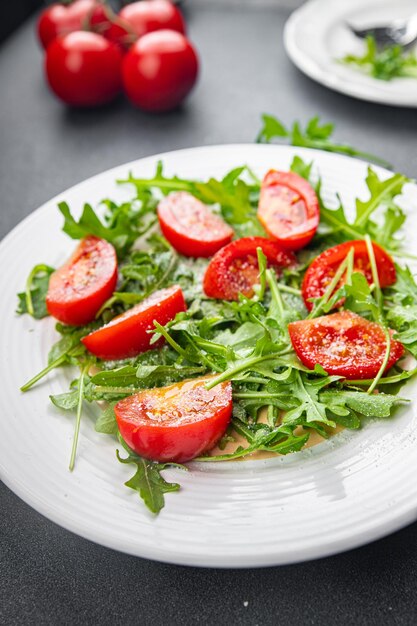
(315, 135)
(384, 63)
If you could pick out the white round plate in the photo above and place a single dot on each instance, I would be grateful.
(316, 36)
(356, 487)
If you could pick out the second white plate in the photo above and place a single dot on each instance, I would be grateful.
(316, 36)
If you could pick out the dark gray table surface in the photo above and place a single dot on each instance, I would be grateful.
(47, 574)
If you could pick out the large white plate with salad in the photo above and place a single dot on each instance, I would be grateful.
(354, 487)
(317, 38)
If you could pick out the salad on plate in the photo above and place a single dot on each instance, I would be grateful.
(230, 318)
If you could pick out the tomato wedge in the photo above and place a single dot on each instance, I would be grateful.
(234, 269)
(175, 423)
(288, 209)
(79, 288)
(127, 334)
(323, 268)
(344, 344)
(190, 227)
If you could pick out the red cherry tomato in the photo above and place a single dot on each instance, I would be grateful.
(234, 269)
(128, 334)
(59, 19)
(84, 69)
(175, 423)
(288, 209)
(79, 288)
(344, 344)
(139, 18)
(323, 268)
(159, 70)
(190, 227)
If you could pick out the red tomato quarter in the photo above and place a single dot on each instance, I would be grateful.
(323, 268)
(159, 70)
(288, 209)
(344, 344)
(145, 17)
(128, 334)
(84, 69)
(79, 288)
(175, 423)
(190, 227)
(59, 19)
(234, 269)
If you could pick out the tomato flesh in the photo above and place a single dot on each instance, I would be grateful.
(190, 227)
(175, 423)
(79, 288)
(322, 270)
(128, 334)
(288, 209)
(344, 344)
(234, 269)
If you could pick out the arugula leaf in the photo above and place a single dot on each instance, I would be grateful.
(33, 299)
(307, 393)
(315, 135)
(384, 64)
(147, 480)
(106, 421)
(281, 440)
(402, 309)
(369, 405)
(381, 194)
(68, 350)
(125, 224)
(66, 401)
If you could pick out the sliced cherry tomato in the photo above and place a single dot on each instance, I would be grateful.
(84, 69)
(190, 227)
(59, 19)
(288, 209)
(79, 288)
(139, 18)
(175, 423)
(344, 344)
(159, 70)
(234, 269)
(128, 334)
(323, 268)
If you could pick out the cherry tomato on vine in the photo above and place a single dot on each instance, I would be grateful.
(323, 268)
(128, 334)
(344, 344)
(84, 69)
(234, 269)
(159, 70)
(191, 227)
(175, 423)
(59, 19)
(288, 209)
(79, 288)
(139, 18)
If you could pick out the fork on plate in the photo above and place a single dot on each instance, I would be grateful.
(402, 32)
